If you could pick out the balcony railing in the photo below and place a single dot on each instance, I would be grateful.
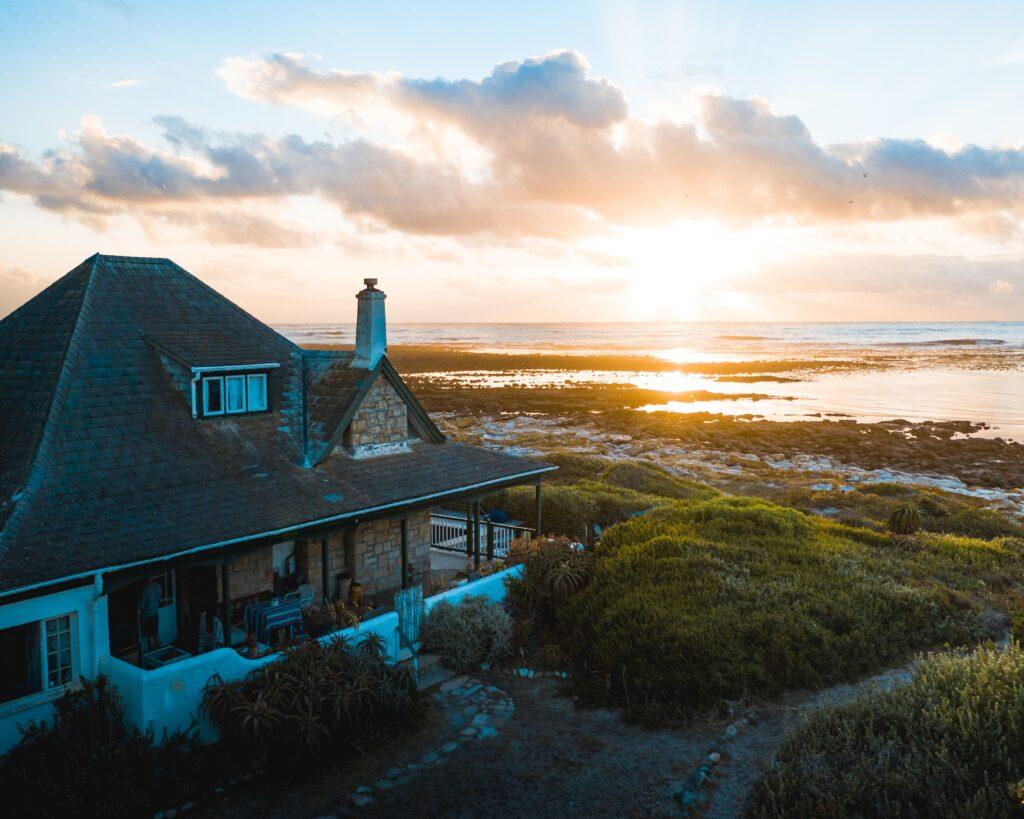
(448, 532)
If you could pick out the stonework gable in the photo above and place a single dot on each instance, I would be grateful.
(380, 425)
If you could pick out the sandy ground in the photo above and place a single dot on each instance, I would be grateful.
(553, 759)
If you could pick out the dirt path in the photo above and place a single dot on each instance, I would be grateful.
(552, 759)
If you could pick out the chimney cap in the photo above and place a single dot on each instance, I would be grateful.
(370, 283)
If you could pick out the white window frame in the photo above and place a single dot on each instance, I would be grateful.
(44, 653)
(166, 581)
(206, 396)
(266, 394)
(245, 393)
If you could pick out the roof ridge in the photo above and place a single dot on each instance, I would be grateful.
(31, 481)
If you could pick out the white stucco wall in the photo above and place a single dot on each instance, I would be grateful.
(89, 642)
(168, 698)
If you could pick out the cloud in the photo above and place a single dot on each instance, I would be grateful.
(556, 154)
(1012, 54)
(957, 277)
(123, 84)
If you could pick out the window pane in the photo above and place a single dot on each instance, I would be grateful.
(257, 393)
(234, 388)
(58, 651)
(19, 670)
(213, 403)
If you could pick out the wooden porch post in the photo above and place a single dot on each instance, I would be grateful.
(536, 509)
(405, 552)
(225, 593)
(490, 540)
(469, 529)
(476, 534)
(325, 574)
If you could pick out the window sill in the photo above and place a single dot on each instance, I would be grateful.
(34, 700)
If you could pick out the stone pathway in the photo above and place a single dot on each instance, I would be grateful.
(474, 712)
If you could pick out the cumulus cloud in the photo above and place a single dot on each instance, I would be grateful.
(562, 157)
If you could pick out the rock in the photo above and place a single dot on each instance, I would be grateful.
(470, 710)
(714, 757)
(730, 732)
(364, 789)
(453, 683)
(383, 784)
(531, 674)
(487, 732)
(158, 815)
(696, 779)
(361, 800)
(448, 747)
(394, 773)
(472, 690)
(565, 675)
(481, 719)
(468, 732)
(524, 672)
(431, 758)
(485, 666)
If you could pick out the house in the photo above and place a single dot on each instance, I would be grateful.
(154, 434)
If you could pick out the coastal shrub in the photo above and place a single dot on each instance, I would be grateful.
(316, 700)
(570, 510)
(948, 743)
(574, 466)
(649, 479)
(551, 574)
(88, 761)
(698, 602)
(905, 519)
(871, 505)
(468, 634)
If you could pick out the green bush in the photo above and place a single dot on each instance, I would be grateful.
(948, 743)
(89, 762)
(468, 634)
(871, 505)
(569, 509)
(649, 479)
(905, 519)
(551, 574)
(315, 700)
(697, 602)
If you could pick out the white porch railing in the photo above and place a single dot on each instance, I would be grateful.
(448, 531)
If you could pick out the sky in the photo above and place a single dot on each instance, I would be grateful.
(578, 161)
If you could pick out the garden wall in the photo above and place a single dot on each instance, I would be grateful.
(168, 699)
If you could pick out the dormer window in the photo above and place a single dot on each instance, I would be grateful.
(233, 393)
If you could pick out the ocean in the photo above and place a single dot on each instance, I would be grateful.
(943, 371)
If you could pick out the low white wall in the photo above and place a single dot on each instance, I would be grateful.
(90, 641)
(168, 699)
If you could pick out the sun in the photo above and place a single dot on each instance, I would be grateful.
(676, 266)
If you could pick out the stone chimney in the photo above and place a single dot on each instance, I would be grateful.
(371, 328)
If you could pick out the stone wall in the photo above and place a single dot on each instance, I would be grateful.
(380, 424)
(252, 573)
(309, 557)
(374, 551)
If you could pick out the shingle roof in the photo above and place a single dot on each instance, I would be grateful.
(102, 464)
